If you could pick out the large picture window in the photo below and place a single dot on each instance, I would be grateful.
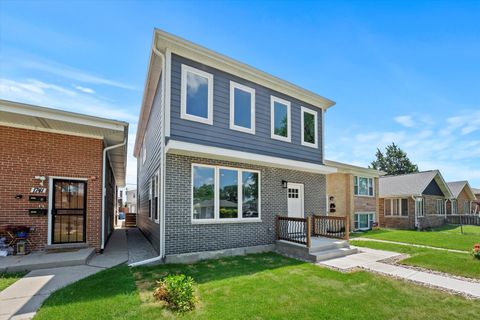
(309, 128)
(224, 194)
(363, 186)
(242, 108)
(196, 95)
(280, 119)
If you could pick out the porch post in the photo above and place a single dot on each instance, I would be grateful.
(308, 231)
(347, 227)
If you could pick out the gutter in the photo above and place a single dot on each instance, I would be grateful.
(162, 169)
(103, 187)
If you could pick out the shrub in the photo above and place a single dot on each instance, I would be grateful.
(177, 291)
(476, 251)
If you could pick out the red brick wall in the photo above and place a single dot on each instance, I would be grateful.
(28, 153)
(397, 222)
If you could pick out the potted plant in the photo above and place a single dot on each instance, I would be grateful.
(476, 251)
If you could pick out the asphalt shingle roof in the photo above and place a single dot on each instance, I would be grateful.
(406, 184)
(456, 187)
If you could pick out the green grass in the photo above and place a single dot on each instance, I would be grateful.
(449, 237)
(7, 279)
(262, 286)
(461, 264)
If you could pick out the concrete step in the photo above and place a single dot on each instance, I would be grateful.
(329, 246)
(332, 254)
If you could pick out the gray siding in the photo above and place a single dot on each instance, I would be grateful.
(433, 189)
(220, 135)
(181, 236)
(146, 171)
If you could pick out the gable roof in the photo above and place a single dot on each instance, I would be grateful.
(167, 43)
(476, 191)
(456, 188)
(412, 184)
(357, 170)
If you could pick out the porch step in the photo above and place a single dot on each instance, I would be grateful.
(332, 254)
(65, 247)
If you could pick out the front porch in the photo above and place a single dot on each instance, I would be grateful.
(314, 238)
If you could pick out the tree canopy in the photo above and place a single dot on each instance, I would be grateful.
(394, 161)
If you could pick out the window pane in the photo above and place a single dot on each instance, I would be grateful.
(370, 187)
(228, 193)
(363, 221)
(355, 183)
(308, 127)
(203, 193)
(280, 119)
(250, 194)
(242, 108)
(363, 190)
(405, 207)
(388, 207)
(197, 95)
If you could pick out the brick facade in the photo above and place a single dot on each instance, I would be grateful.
(181, 236)
(29, 153)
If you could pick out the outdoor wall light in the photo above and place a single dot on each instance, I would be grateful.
(284, 184)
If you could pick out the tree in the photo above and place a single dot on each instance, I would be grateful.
(394, 161)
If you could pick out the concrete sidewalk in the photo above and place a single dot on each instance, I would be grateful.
(408, 244)
(368, 259)
(23, 298)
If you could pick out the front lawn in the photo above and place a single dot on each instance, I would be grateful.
(449, 237)
(461, 264)
(262, 286)
(7, 279)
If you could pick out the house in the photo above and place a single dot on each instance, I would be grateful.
(222, 149)
(416, 200)
(462, 199)
(58, 174)
(131, 200)
(476, 205)
(353, 191)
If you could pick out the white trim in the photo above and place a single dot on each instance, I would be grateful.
(323, 134)
(364, 213)
(288, 138)
(216, 177)
(454, 209)
(168, 89)
(315, 115)
(157, 194)
(150, 198)
(301, 187)
(50, 204)
(183, 114)
(144, 149)
(208, 152)
(251, 91)
(399, 208)
(27, 127)
(372, 179)
(440, 206)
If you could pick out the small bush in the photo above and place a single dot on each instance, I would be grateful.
(476, 251)
(177, 291)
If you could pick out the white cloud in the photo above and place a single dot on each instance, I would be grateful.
(85, 90)
(405, 121)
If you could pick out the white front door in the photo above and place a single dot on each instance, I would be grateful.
(295, 200)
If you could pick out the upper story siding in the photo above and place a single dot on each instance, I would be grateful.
(220, 135)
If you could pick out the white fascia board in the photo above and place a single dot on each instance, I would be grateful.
(60, 115)
(197, 150)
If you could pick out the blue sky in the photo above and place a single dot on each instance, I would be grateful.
(407, 72)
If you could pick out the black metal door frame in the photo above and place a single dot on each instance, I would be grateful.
(84, 210)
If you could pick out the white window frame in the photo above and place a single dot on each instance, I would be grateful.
(144, 149)
(183, 100)
(454, 205)
(157, 193)
(315, 115)
(217, 218)
(150, 199)
(288, 138)
(466, 207)
(251, 91)
(420, 213)
(364, 213)
(440, 207)
(370, 182)
(399, 207)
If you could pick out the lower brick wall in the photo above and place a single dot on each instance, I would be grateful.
(29, 153)
(181, 236)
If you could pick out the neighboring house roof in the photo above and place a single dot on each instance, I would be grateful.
(476, 191)
(113, 132)
(167, 43)
(349, 168)
(457, 187)
(413, 184)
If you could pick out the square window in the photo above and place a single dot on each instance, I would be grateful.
(196, 95)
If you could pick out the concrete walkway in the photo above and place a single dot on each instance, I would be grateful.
(409, 244)
(23, 298)
(369, 259)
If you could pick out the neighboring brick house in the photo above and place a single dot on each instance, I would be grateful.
(51, 170)
(463, 197)
(222, 149)
(353, 192)
(416, 200)
(476, 205)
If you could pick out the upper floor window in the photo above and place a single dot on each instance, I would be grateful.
(280, 119)
(242, 108)
(196, 95)
(363, 186)
(309, 128)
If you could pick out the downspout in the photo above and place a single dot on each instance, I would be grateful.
(162, 167)
(104, 167)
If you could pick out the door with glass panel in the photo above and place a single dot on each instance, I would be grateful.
(69, 211)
